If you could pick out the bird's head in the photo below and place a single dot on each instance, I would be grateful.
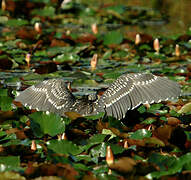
(92, 97)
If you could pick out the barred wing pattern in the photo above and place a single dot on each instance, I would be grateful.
(127, 92)
(131, 90)
(49, 95)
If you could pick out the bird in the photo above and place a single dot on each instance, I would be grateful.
(127, 92)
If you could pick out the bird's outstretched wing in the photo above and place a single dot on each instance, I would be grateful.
(50, 95)
(131, 90)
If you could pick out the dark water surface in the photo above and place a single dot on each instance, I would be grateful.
(168, 17)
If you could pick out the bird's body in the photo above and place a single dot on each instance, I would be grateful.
(127, 92)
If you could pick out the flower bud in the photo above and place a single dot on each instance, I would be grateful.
(137, 39)
(109, 156)
(94, 61)
(177, 50)
(156, 45)
(94, 28)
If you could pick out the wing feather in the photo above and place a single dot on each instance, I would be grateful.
(130, 90)
(49, 95)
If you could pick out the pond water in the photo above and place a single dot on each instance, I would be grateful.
(167, 17)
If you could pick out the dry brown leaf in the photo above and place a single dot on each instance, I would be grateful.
(124, 164)
(73, 115)
(173, 121)
(136, 142)
(56, 42)
(163, 133)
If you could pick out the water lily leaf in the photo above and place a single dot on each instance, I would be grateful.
(100, 150)
(154, 141)
(140, 134)
(163, 118)
(83, 157)
(66, 57)
(185, 109)
(142, 109)
(8, 139)
(95, 117)
(16, 22)
(186, 160)
(174, 113)
(47, 11)
(117, 8)
(168, 164)
(42, 123)
(108, 132)
(156, 56)
(113, 37)
(107, 54)
(154, 107)
(96, 139)
(41, 53)
(145, 47)
(3, 92)
(148, 121)
(162, 161)
(5, 100)
(9, 163)
(64, 147)
(112, 75)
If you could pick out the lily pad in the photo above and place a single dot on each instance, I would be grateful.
(5, 100)
(64, 147)
(42, 123)
(140, 134)
(113, 37)
(185, 109)
(9, 163)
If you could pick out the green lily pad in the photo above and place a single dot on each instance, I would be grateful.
(9, 163)
(47, 11)
(117, 8)
(96, 139)
(148, 121)
(95, 117)
(169, 164)
(66, 57)
(142, 109)
(140, 134)
(5, 100)
(64, 147)
(42, 123)
(100, 150)
(16, 22)
(113, 37)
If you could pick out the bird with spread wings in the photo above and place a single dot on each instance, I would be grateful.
(125, 93)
